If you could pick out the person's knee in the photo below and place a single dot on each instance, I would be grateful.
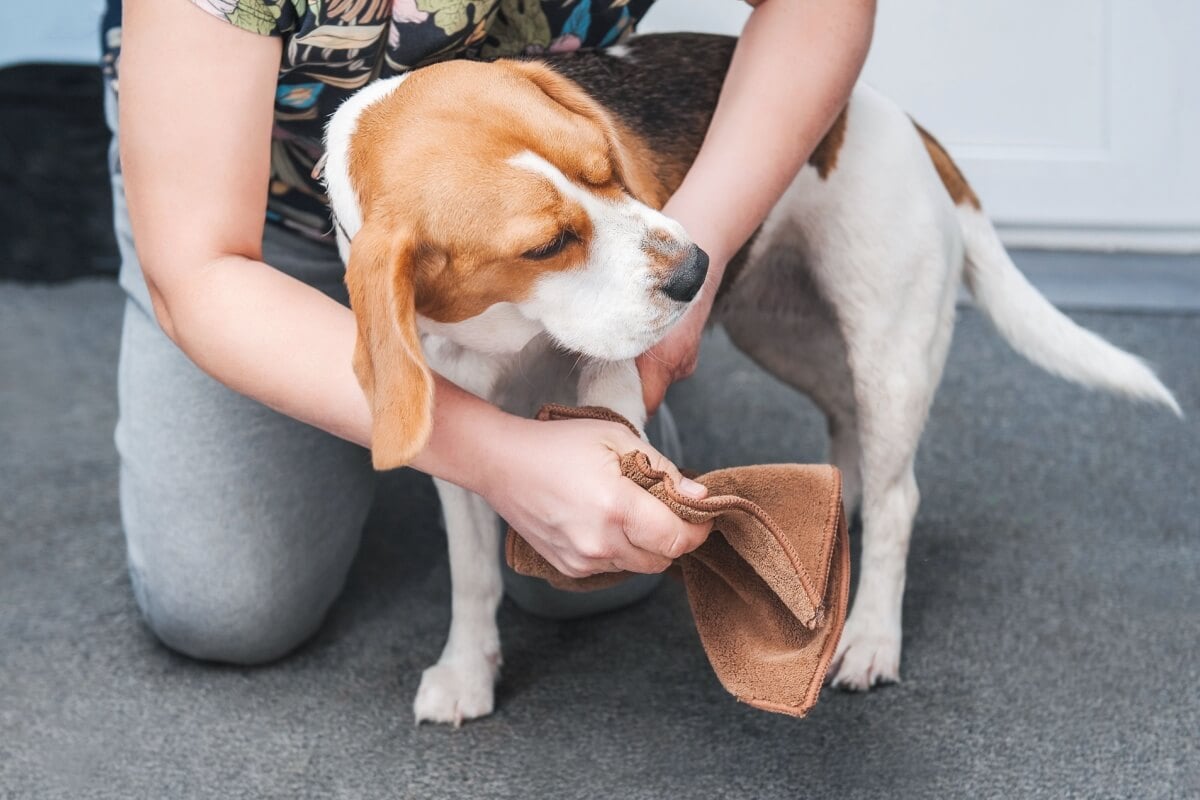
(235, 617)
(239, 588)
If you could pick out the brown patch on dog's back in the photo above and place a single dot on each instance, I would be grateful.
(824, 157)
(952, 178)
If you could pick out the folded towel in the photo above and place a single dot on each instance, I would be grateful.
(768, 588)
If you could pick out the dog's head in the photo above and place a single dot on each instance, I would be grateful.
(470, 185)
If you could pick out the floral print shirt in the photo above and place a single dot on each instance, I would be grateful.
(333, 47)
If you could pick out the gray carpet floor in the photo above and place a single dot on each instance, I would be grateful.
(1052, 621)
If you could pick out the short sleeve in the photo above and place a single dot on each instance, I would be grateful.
(265, 17)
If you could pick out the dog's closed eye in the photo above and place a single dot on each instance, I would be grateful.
(552, 247)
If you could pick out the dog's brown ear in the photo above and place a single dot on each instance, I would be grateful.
(630, 156)
(388, 359)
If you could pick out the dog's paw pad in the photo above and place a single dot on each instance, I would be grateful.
(452, 691)
(865, 659)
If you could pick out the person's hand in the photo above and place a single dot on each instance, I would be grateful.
(674, 358)
(561, 487)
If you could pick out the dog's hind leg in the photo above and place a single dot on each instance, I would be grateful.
(896, 368)
(869, 650)
(873, 372)
(875, 388)
(845, 453)
(875, 398)
(461, 684)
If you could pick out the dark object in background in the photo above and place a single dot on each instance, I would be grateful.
(55, 206)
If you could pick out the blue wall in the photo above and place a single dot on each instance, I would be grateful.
(50, 30)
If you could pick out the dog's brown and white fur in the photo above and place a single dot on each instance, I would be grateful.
(499, 221)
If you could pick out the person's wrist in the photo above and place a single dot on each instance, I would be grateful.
(691, 327)
(500, 455)
(472, 439)
(707, 231)
(718, 258)
(703, 304)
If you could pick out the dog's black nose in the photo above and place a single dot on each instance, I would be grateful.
(688, 277)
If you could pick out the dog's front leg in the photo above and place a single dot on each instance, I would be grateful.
(616, 385)
(461, 684)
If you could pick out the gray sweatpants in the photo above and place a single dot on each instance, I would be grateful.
(241, 523)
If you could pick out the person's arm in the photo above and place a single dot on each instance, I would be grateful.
(792, 72)
(197, 98)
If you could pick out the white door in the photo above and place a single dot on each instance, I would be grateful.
(1077, 121)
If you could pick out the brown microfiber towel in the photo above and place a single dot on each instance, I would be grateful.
(768, 588)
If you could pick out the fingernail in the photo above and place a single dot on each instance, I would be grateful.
(691, 488)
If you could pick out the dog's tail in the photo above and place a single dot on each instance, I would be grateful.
(1042, 333)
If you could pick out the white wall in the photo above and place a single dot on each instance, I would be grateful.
(50, 30)
(1077, 121)
(701, 16)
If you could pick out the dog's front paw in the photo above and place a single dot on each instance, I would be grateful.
(867, 655)
(457, 688)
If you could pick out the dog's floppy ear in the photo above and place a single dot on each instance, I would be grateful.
(632, 159)
(388, 359)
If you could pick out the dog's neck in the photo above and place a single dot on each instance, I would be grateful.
(478, 353)
(508, 359)
(500, 330)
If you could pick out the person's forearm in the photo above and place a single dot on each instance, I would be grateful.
(792, 71)
(273, 338)
(283, 343)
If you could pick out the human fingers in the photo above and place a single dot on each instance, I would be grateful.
(652, 527)
(661, 463)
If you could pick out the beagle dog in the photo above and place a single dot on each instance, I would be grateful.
(500, 224)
